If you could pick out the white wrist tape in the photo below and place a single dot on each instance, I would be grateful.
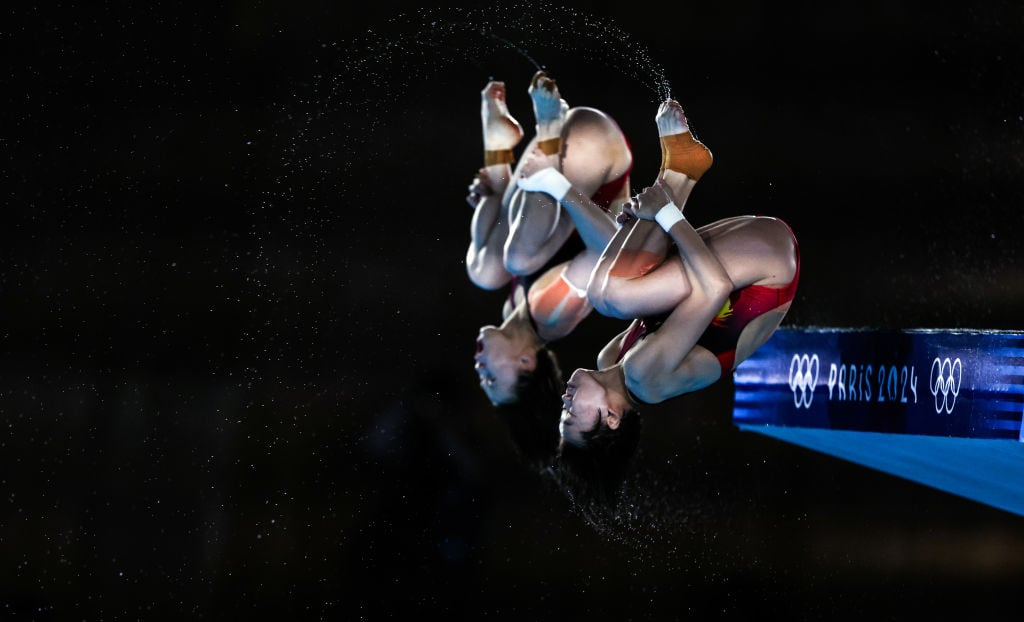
(547, 180)
(668, 216)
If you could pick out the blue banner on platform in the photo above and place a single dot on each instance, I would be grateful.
(955, 383)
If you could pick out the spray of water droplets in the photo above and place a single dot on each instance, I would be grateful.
(364, 80)
(329, 136)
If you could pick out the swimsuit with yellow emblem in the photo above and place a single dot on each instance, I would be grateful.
(723, 334)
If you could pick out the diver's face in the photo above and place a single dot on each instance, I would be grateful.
(584, 406)
(498, 363)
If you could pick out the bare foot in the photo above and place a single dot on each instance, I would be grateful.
(501, 130)
(549, 109)
(670, 118)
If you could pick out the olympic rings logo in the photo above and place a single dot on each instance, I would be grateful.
(944, 383)
(803, 377)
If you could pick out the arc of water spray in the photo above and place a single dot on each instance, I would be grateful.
(557, 16)
(515, 47)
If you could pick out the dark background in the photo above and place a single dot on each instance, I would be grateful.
(235, 375)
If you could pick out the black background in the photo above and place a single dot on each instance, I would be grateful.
(237, 333)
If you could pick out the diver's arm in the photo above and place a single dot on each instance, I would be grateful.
(659, 362)
(488, 231)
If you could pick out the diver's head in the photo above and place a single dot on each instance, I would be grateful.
(600, 434)
(593, 400)
(502, 356)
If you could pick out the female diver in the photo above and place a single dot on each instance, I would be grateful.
(700, 302)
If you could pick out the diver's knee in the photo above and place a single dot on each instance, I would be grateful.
(522, 261)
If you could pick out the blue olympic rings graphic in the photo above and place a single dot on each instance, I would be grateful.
(944, 383)
(803, 377)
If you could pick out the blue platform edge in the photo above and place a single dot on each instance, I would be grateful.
(941, 407)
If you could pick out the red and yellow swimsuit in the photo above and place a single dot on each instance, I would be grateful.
(721, 337)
